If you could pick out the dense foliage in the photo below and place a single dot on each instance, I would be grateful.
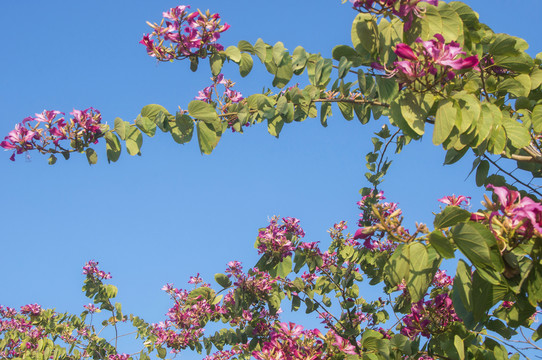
(414, 62)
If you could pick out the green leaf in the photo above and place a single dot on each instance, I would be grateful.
(202, 111)
(245, 46)
(259, 102)
(284, 73)
(146, 125)
(216, 62)
(344, 67)
(120, 127)
(260, 49)
(521, 63)
(183, 130)
(274, 125)
(397, 267)
(245, 66)
(322, 72)
(112, 146)
(365, 36)
(473, 240)
(152, 111)
(415, 109)
(52, 160)
(500, 328)
(497, 141)
(387, 88)
(481, 173)
(390, 34)
(444, 121)
(162, 353)
(450, 216)
(233, 53)
(442, 244)
(348, 52)
(518, 135)
(274, 304)
(537, 118)
(452, 25)
(459, 347)
(536, 78)
(347, 110)
(223, 280)
(134, 140)
(284, 268)
(325, 112)
(504, 44)
(279, 53)
(421, 273)
(208, 136)
(486, 121)
(515, 87)
(396, 116)
(299, 60)
(461, 293)
(92, 157)
(469, 109)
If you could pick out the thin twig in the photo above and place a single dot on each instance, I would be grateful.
(512, 176)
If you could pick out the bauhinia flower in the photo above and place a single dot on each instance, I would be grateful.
(455, 200)
(434, 60)
(184, 35)
(50, 134)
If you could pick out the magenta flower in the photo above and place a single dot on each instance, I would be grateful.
(185, 35)
(434, 60)
(405, 51)
(31, 309)
(45, 132)
(523, 213)
(455, 200)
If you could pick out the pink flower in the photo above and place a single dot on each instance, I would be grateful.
(455, 200)
(522, 212)
(31, 309)
(405, 51)
(91, 308)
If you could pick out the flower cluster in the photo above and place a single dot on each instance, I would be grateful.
(368, 231)
(405, 9)
(184, 35)
(431, 62)
(185, 320)
(429, 317)
(441, 280)
(45, 132)
(31, 309)
(291, 342)
(512, 219)
(229, 95)
(279, 239)
(91, 270)
(26, 333)
(118, 357)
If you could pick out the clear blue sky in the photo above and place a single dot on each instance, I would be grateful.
(172, 212)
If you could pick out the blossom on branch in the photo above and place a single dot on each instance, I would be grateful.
(47, 133)
(432, 61)
(184, 35)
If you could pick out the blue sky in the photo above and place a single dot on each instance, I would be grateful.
(172, 212)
